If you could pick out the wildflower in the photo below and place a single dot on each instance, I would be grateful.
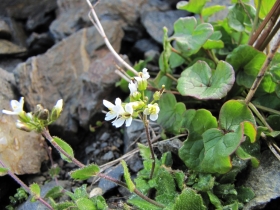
(132, 87)
(17, 107)
(56, 110)
(125, 116)
(114, 109)
(152, 110)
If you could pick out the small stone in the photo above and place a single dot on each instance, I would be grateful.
(96, 191)
(5, 31)
(108, 156)
(105, 136)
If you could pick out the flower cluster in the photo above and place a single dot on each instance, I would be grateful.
(122, 113)
(37, 120)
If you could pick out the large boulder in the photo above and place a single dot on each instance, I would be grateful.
(55, 75)
(21, 152)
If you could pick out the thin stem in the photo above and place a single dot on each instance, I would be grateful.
(270, 36)
(146, 124)
(262, 71)
(258, 114)
(171, 77)
(267, 109)
(256, 19)
(137, 192)
(24, 186)
(100, 29)
(46, 134)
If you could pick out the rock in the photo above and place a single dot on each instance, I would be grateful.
(264, 181)
(144, 45)
(115, 173)
(21, 151)
(108, 156)
(8, 48)
(18, 35)
(5, 31)
(135, 163)
(9, 64)
(155, 21)
(46, 78)
(28, 205)
(170, 145)
(39, 43)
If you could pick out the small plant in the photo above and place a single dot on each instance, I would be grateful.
(17, 199)
(224, 80)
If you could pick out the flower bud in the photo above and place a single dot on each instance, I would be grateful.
(142, 85)
(156, 95)
(23, 126)
(56, 111)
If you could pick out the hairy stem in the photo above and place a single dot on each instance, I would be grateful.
(146, 124)
(46, 134)
(24, 186)
(262, 71)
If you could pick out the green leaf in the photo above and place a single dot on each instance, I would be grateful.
(214, 200)
(145, 151)
(175, 60)
(55, 192)
(179, 177)
(197, 122)
(218, 148)
(265, 7)
(142, 204)
(166, 159)
(64, 146)
(201, 82)
(189, 36)
(245, 194)
(209, 11)
(233, 206)
(193, 6)
(274, 121)
(246, 62)
(35, 191)
(85, 172)
(171, 113)
(188, 199)
(238, 16)
(130, 184)
(3, 171)
(80, 192)
(214, 41)
(85, 204)
(204, 182)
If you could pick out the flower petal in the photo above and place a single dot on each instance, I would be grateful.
(108, 104)
(128, 108)
(153, 117)
(118, 123)
(128, 122)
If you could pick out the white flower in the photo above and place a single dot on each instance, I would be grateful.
(58, 105)
(17, 107)
(125, 116)
(133, 85)
(115, 110)
(153, 111)
(146, 74)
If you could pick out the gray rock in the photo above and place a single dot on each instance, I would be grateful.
(39, 43)
(264, 180)
(144, 45)
(116, 173)
(21, 151)
(155, 21)
(108, 156)
(170, 145)
(135, 163)
(5, 31)
(8, 48)
(46, 78)
(28, 205)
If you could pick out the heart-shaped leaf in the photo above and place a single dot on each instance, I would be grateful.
(193, 6)
(201, 82)
(189, 36)
(214, 41)
(197, 122)
(171, 115)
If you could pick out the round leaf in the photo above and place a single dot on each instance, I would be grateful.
(189, 36)
(201, 82)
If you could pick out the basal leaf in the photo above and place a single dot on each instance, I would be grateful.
(193, 6)
(127, 177)
(171, 115)
(3, 171)
(204, 182)
(214, 41)
(245, 194)
(196, 122)
(85, 204)
(233, 113)
(179, 177)
(218, 147)
(201, 82)
(238, 16)
(66, 147)
(85, 173)
(189, 199)
(189, 36)
(209, 11)
(55, 192)
(214, 200)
